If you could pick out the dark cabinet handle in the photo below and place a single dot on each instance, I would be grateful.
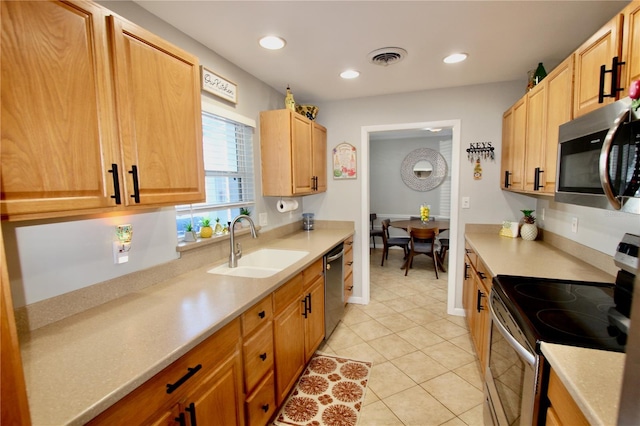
(536, 179)
(309, 305)
(466, 269)
(262, 314)
(350, 288)
(265, 407)
(263, 356)
(116, 183)
(136, 186)
(482, 275)
(180, 419)
(349, 243)
(615, 63)
(349, 263)
(506, 179)
(304, 314)
(191, 409)
(479, 301)
(176, 385)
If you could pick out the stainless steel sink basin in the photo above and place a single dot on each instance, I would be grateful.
(261, 264)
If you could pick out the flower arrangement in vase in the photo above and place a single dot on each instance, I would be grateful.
(424, 212)
(528, 230)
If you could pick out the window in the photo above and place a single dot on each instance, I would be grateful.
(228, 165)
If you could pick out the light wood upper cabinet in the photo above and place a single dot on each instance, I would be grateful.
(293, 150)
(58, 138)
(158, 98)
(514, 123)
(631, 45)
(83, 104)
(598, 50)
(549, 106)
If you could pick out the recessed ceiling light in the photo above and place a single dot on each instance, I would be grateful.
(455, 58)
(272, 42)
(348, 74)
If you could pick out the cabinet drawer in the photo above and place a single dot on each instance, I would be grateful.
(286, 294)
(260, 313)
(473, 257)
(312, 273)
(348, 243)
(348, 262)
(564, 407)
(348, 287)
(484, 275)
(261, 404)
(258, 355)
(152, 396)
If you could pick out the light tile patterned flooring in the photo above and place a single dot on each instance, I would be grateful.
(425, 371)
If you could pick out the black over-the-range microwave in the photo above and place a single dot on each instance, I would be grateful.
(599, 159)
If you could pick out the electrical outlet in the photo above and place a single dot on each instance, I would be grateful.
(542, 215)
(465, 202)
(574, 224)
(262, 219)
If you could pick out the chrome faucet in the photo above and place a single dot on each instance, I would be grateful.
(236, 253)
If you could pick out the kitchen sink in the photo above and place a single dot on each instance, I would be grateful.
(261, 263)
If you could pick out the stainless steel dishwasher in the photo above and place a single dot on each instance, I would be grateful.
(333, 289)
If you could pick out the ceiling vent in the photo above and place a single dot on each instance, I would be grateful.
(387, 56)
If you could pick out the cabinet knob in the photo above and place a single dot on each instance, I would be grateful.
(263, 356)
(265, 407)
(262, 314)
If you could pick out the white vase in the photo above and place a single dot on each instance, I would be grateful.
(529, 231)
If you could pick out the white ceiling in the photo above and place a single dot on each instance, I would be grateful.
(504, 39)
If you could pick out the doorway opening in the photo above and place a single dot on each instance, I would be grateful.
(367, 132)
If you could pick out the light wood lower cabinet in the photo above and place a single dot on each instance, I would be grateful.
(298, 325)
(563, 410)
(476, 288)
(204, 386)
(348, 269)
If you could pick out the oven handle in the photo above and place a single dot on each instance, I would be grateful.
(603, 166)
(524, 353)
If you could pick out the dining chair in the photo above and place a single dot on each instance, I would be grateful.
(373, 233)
(392, 242)
(444, 247)
(422, 241)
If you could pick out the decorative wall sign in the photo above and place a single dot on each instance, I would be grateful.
(423, 169)
(480, 150)
(219, 86)
(344, 161)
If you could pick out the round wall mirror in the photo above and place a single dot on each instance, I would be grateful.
(423, 169)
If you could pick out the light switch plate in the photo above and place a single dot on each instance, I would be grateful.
(262, 219)
(465, 202)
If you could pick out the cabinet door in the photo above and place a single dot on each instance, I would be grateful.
(518, 143)
(320, 157)
(57, 111)
(302, 152)
(507, 146)
(219, 400)
(468, 289)
(288, 337)
(558, 110)
(631, 46)
(158, 98)
(314, 323)
(598, 50)
(535, 134)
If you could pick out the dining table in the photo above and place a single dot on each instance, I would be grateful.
(439, 224)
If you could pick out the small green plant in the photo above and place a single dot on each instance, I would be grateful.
(189, 227)
(245, 211)
(528, 217)
(206, 222)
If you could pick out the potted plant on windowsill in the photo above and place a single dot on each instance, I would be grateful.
(247, 212)
(189, 233)
(206, 231)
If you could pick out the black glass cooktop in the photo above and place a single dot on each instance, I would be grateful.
(559, 311)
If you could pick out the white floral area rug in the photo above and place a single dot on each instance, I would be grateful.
(330, 392)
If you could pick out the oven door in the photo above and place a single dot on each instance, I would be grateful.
(512, 393)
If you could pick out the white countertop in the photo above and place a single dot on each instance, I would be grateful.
(593, 378)
(77, 367)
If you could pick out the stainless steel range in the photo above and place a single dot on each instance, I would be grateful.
(526, 311)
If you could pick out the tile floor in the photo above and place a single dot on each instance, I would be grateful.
(425, 371)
